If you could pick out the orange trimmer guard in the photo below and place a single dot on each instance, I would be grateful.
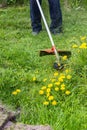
(51, 52)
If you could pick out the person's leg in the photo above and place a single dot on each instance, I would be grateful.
(56, 16)
(35, 16)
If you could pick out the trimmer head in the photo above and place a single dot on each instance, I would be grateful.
(51, 52)
(58, 66)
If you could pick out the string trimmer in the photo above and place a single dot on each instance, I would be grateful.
(57, 65)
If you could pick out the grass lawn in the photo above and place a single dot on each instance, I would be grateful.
(29, 82)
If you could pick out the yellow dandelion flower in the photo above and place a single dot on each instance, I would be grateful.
(62, 76)
(83, 46)
(34, 78)
(53, 80)
(59, 64)
(64, 57)
(83, 38)
(67, 70)
(67, 92)
(18, 90)
(62, 87)
(44, 80)
(46, 103)
(41, 92)
(50, 98)
(48, 90)
(14, 93)
(50, 85)
(69, 77)
(56, 89)
(75, 46)
(54, 103)
(56, 74)
(60, 79)
(57, 83)
(48, 94)
(43, 88)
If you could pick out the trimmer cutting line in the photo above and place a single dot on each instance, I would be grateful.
(57, 65)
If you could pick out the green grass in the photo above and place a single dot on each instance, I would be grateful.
(20, 63)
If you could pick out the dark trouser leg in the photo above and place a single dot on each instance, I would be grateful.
(35, 16)
(55, 14)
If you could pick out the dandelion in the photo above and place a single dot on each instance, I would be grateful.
(75, 46)
(54, 103)
(43, 88)
(57, 83)
(62, 87)
(67, 70)
(48, 94)
(69, 77)
(56, 89)
(64, 57)
(50, 85)
(14, 93)
(50, 98)
(59, 64)
(60, 79)
(53, 80)
(34, 78)
(44, 80)
(18, 90)
(67, 92)
(41, 92)
(83, 45)
(83, 38)
(56, 74)
(48, 90)
(62, 76)
(46, 103)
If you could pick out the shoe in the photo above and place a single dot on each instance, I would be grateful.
(34, 33)
(57, 30)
